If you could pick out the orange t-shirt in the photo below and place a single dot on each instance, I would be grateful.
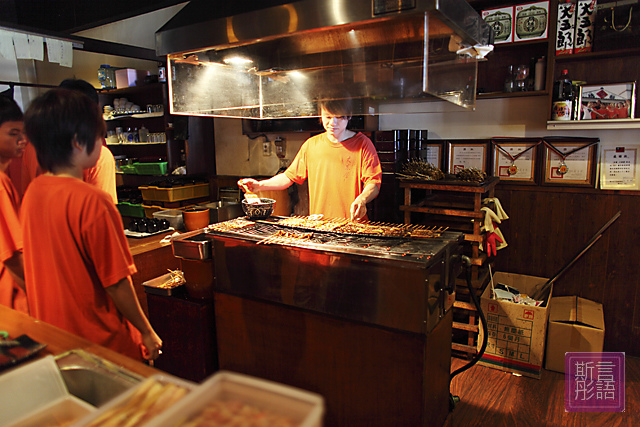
(11, 294)
(23, 170)
(337, 172)
(74, 247)
(103, 174)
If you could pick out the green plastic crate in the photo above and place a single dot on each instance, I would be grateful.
(128, 169)
(159, 168)
(130, 209)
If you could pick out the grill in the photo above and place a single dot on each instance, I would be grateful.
(390, 281)
(272, 232)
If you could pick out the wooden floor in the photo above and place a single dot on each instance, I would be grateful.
(490, 397)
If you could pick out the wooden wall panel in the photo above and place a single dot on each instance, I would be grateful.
(548, 226)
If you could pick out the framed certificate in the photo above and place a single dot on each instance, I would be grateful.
(432, 153)
(514, 159)
(467, 154)
(619, 167)
(570, 161)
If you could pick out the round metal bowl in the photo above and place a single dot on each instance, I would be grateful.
(262, 210)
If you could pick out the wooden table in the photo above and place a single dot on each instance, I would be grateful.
(59, 341)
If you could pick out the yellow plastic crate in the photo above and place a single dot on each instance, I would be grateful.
(174, 194)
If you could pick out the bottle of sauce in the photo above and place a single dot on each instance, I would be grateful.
(562, 98)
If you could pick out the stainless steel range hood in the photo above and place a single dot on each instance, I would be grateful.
(277, 62)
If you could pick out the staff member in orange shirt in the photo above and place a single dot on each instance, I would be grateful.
(77, 262)
(102, 175)
(342, 167)
(11, 262)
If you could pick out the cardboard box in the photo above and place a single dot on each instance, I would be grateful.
(127, 77)
(565, 28)
(517, 332)
(531, 21)
(575, 324)
(501, 20)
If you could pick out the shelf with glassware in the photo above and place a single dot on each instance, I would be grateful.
(140, 129)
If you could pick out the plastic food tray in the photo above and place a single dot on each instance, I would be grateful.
(124, 398)
(150, 211)
(35, 395)
(302, 408)
(174, 194)
(151, 286)
(174, 216)
(130, 209)
(128, 169)
(159, 168)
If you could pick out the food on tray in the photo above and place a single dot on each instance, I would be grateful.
(175, 279)
(233, 224)
(236, 413)
(362, 228)
(282, 236)
(150, 399)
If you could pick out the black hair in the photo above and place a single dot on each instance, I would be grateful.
(9, 110)
(337, 107)
(57, 118)
(81, 86)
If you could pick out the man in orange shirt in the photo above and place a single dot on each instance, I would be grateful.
(342, 167)
(77, 261)
(11, 262)
(102, 175)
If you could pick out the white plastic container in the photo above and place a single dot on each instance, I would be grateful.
(125, 397)
(174, 216)
(302, 408)
(35, 395)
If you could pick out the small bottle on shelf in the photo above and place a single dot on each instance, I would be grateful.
(563, 95)
(541, 68)
(144, 134)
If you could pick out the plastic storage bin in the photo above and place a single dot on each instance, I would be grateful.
(130, 209)
(302, 408)
(159, 168)
(174, 216)
(117, 410)
(174, 194)
(35, 395)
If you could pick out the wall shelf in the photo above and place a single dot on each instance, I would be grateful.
(593, 124)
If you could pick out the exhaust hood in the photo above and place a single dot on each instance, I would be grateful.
(278, 61)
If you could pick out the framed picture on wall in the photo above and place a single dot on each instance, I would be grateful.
(619, 167)
(607, 101)
(514, 159)
(431, 152)
(570, 161)
(467, 154)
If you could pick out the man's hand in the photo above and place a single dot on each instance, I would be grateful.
(152, 345)
(249, 184)
(358, 209)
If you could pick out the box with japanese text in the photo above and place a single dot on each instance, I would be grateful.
(516, 332)
(575, 325)
(531, 21)
(585, 22)
(566, 28)
(501, 20)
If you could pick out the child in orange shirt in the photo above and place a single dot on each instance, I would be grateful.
(11, 264)
(77, 261)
